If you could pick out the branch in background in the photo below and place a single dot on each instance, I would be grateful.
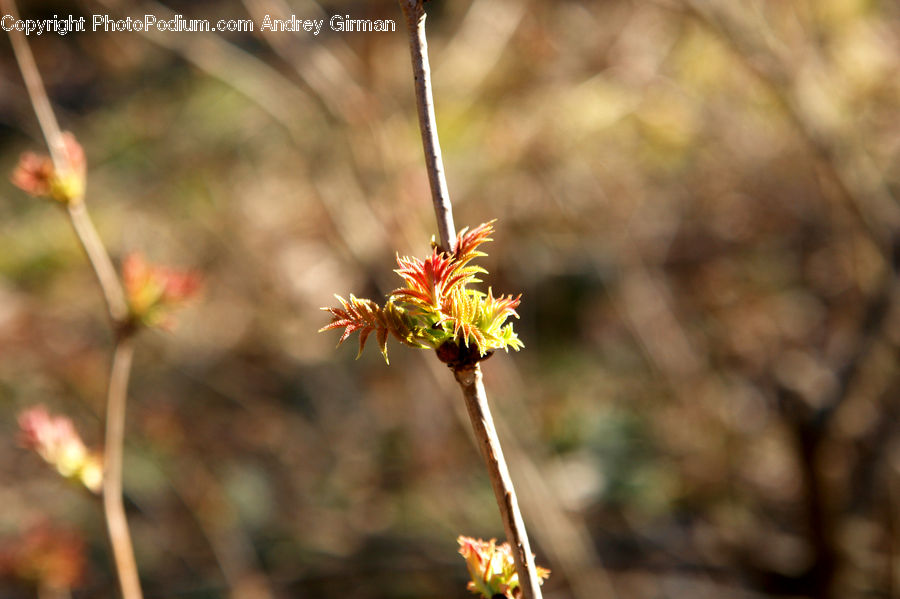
(331, 84)
(252, 78)
(113, 506)
(101, 263)
(843, 159)
(36, 91)
(68, 173)
(64, 180)
(840, 154)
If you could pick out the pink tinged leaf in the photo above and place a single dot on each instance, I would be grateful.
(33, 174)
(134, 273)
(429, 281)
(464, 276)
(181, 286)
(33, 426)
(334, 324)
(363, 335)
(154, 292)
(467, 241)
(351, 327)
(37, 175)
(492, 567)
(382, 343)
(414, 295)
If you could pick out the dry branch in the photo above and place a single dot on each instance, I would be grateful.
(468, 375)
(117, 308)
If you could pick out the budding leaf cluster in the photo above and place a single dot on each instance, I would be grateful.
(154, 292)
(492, 568)
(55, 439)
(435, 309)
(38, 176)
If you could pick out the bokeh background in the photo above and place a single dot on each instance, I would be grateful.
(697, 200)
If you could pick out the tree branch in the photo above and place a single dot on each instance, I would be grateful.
(81, 221)
(469, 379)
(434, 163)
(102, 264)
(468, 376)
(36, 91)
(117, 308)
(113, 507)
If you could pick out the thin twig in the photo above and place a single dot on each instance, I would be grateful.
(113, 507)
(864, 192)
(563, 533)
(332, 85)
(418, 47)
(117, 308)
(101, 263)
(251, 77)
(480, 414)
(81, 221)
(36, 92)
(468, 377)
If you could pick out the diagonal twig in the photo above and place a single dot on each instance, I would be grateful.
(468, 376)
(117, 309)
(414, 12)
(113, 506)
(78, 216)
(483, 424)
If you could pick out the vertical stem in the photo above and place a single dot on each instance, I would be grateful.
(890, 516)
(117, 308)
(469, 378)
(483, 423)
(101, 263)
(113, 506)
(434, 163)
(84, 228)
(819, 521)
(36, 91)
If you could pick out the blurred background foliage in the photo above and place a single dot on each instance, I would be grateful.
(697, 200)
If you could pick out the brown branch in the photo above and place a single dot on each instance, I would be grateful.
(330, 83)
(864, 191)
(36, 91)
(113, 507)
(117, 308)
(434, 163)
(469, 375)
(469, 379)
(252, 78)
(103, 267)
(820, 521)
(81, 222)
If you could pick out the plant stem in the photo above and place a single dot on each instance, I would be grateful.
(117, 309)
(101, 263)
(483, 424)
(36, 91)
(434, 163)
(469, 377)
(113, 506)
(84, 228)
